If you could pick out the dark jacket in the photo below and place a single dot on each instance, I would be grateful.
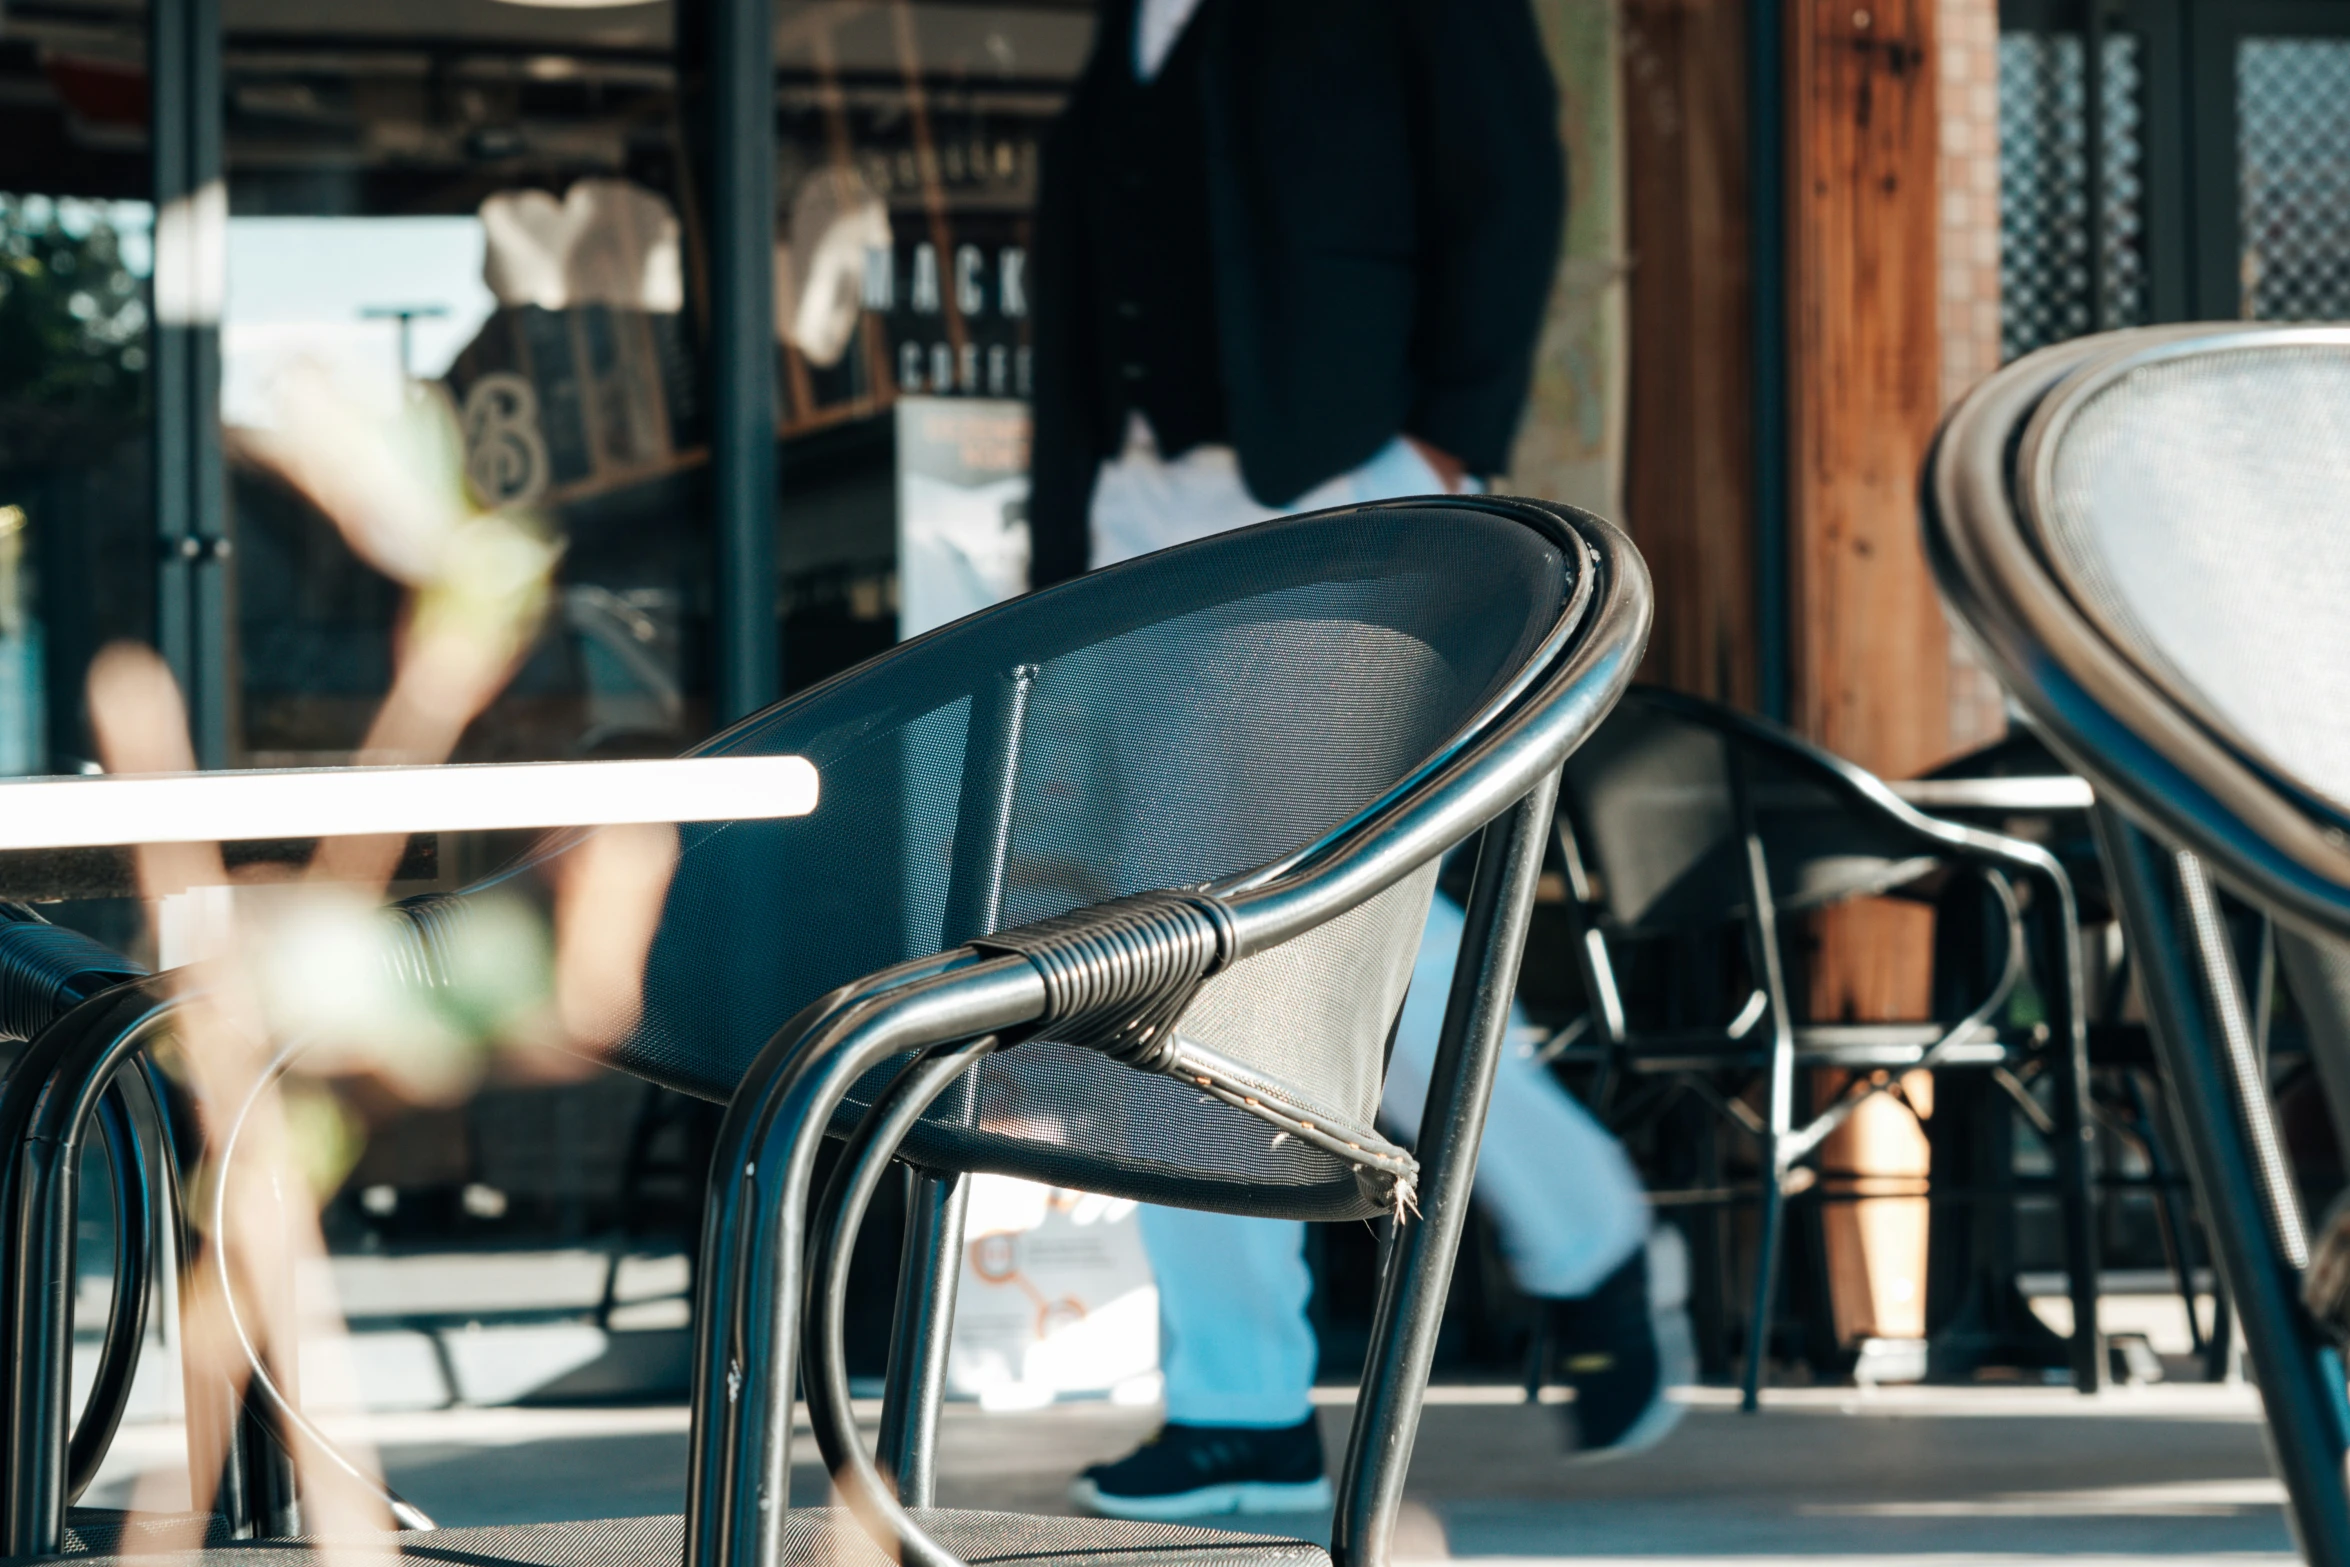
(1386, 193)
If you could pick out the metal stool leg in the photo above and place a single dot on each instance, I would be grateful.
(1766, 1276)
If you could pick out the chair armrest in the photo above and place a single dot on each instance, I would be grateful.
(1857, 787)
(47, 970)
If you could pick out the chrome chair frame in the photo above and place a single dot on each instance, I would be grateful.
(1498, 777)
(2180, 810)
(90, 1074)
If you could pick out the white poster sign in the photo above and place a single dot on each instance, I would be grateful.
(1056, 1299)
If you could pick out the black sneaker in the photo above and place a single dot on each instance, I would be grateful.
(1202, 1471)
(1623, 1349)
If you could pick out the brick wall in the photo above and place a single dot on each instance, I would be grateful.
(1968, 43)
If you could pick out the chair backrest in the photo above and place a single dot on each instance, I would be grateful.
(1186, 717)
(2147, 533)
(1653, 798)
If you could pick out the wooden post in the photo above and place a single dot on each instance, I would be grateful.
(1868, 306)
(1871, 655)
(1871, 659)
(1871, 652)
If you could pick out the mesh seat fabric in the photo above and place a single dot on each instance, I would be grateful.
(1189, 716)
(813, 1537)
(2226, 594)
(108, 1531)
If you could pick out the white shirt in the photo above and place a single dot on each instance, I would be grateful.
(1157, 24)
(1144, 502)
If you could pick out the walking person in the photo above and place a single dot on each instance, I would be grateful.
(1294, 254)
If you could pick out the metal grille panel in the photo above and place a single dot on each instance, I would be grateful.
(2293, 140)
(2044, 241)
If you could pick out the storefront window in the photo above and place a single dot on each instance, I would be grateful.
(485, 210)
(906, 174)
(488, 203)
(478, 206)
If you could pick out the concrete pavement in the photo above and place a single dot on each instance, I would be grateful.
(2174, 1474)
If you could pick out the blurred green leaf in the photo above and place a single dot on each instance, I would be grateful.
(73, 316)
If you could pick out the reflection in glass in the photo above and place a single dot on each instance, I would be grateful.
(73, 405)
(478, 216)
(907, 171)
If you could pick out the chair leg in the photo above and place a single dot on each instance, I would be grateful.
(1710, 1271)
(2077, 1196)
(2075, 1132)
(930, 1264)
(2202, 1035)
(1416, 1265)
(1766, 1276)
(929, 1268)
(1762, 935)
(216, 1461)
(2219, 1350)
(272, 1487)
(2169, 1213)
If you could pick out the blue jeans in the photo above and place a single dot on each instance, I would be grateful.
(1234, 1342)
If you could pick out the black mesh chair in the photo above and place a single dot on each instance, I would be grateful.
(2144, 533)
(1116, 886)
(1681, 816)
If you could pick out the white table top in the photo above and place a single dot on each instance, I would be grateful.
(2055, 792)
(327, 802)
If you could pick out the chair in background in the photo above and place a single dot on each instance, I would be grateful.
(2144, 532)
(1116, 886)
(1681, 817)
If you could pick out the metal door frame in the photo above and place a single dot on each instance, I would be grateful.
(2215, 29)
